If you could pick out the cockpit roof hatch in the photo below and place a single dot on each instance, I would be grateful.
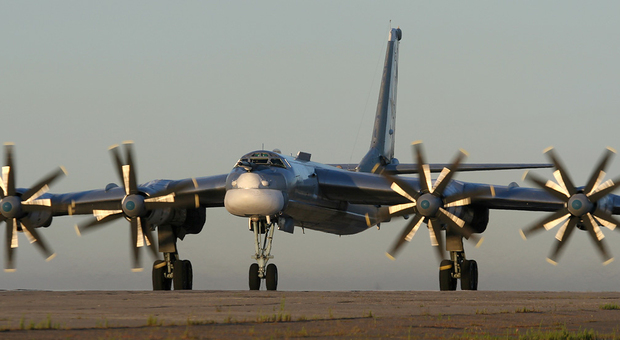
(266, 158)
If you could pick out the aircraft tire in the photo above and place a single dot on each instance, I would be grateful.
(272, 277)
(446, 281)
(160, 282)
(182, 275)
(254, 279)
(469, 275)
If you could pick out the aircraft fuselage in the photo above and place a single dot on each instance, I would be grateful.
(267, 184)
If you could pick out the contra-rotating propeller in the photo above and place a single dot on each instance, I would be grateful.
(15, 208)
(134, 206)
(581, 206)
(429, 203)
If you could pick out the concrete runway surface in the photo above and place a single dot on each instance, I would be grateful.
(315, 314)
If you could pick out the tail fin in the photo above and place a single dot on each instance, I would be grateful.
(382, 145)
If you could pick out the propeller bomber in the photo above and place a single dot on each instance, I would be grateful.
(273, 191)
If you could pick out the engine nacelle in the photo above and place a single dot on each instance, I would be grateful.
(185, 221)
(37, 219)
(195, 220)
(168, 216)
(477, 217)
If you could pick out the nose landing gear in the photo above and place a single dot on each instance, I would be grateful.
(263, 237)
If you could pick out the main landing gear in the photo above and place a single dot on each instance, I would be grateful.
(171, 271)
(263, 236)
(458, 268)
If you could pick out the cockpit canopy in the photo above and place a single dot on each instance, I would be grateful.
(265, 158)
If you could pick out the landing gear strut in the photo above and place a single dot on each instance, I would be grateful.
(458, 267)
(263, 236)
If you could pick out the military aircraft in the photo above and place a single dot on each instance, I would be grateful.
(272, 190)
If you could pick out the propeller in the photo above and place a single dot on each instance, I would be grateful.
(134, 206)
(429, 204)
(581, 208)
(16, 206)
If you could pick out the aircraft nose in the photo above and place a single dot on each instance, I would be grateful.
(254, 202)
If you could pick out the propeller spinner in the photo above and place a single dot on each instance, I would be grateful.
(581, 208)
(429, 203)
(14, 207)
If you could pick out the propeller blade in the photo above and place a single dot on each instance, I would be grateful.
(35, 238)
(457, 225)
(10, 235)
(36, 205)
(172, 201)
(404, 209)
(403, 188)
(563, 177)
(546, 223)
(43, 185)
(549, 186)
(434, 230)
(406, 235)
(467, 198)
(560, 243)
(597, 237)
(445, 177)
(606, 219)
(116, 157)
(135, 250)
(148, 235)
(96, 222)
(599, 172)
(423, 169)
(170, 198)
(131, 173)
(177, 187)
(8, 171)
(604, 190)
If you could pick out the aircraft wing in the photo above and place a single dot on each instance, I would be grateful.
(364, 188)
(412, 168)
(186, 193)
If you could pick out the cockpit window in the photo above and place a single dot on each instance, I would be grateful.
(262, 158)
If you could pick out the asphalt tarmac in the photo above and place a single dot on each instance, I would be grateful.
(291, 314)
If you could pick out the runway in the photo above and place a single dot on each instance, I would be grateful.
(291, 314)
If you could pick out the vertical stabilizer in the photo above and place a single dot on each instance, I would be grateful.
(382, 144)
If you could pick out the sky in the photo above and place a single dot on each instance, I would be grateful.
(197, 84)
